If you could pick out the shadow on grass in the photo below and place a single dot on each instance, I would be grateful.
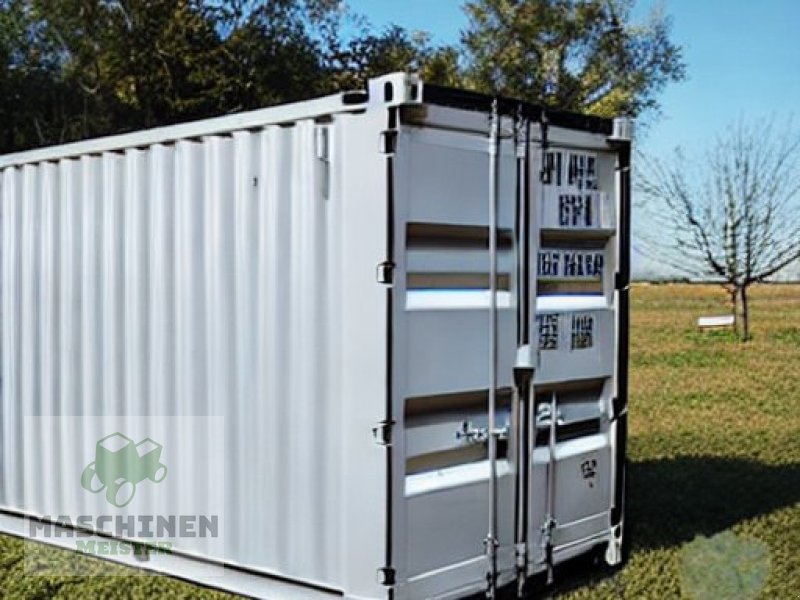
(671, 501)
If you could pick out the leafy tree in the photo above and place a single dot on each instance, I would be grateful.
(36, 104)
(294, 49)
(581, 55)
(442, 66)
(91, 67)
(81, 68)
(138, 63)
(734, 217)
(272, 52)
(351, 61)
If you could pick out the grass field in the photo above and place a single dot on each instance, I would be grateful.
(714, 449)
(714, 438)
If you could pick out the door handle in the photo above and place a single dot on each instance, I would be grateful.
(478, 435)
(472, 435)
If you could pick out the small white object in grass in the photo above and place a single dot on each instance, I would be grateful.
(720, 321)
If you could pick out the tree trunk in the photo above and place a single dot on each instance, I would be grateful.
(745, 314)
(734, 294)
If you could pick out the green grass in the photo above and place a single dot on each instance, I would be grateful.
(714, 447)
(92, 577)
(714, 474)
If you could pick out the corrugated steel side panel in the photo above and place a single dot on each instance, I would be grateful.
(221, 126)
(205, 277)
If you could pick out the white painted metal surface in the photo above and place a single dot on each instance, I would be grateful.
(318, 275)
(442, 360)
(212, 276)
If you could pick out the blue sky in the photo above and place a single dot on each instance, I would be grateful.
(743, 59)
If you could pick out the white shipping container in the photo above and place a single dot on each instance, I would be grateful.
(408, 307)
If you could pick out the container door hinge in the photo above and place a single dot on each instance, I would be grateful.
(385, 272)
(619, 283)
(388, 141)
(521, 555)
(383, 433)
(387, 576)
(619, 407)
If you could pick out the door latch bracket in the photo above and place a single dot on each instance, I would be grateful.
(385, 272)
(383, 433)
(387, 576)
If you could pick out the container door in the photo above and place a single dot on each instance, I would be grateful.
(443, 356)
(572, 461)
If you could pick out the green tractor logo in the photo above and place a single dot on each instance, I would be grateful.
(119, 465)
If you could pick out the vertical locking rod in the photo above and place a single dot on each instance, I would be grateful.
(549, 519)
(524, 368)
(491, 538)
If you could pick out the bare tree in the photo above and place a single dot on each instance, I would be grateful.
(734, 216)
